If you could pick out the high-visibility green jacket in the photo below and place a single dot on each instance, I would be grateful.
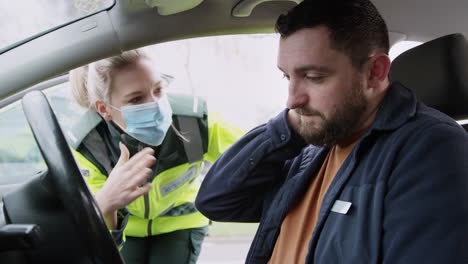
(169, 205)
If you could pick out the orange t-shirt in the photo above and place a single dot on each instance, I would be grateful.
(292, 244)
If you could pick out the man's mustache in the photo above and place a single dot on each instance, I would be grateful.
(308, 111)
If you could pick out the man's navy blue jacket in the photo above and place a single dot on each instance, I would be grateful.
(406, 180)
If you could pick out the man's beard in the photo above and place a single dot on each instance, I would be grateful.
(341, 125)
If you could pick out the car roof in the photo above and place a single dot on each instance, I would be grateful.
(132, 24)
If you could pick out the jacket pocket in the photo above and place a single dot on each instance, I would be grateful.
(353, 235)
(197, 235)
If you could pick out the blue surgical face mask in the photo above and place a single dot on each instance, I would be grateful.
(148, 122)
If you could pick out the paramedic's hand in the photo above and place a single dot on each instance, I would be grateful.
(126, 182)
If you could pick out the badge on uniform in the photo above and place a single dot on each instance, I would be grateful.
(85, 172)
(341, 207)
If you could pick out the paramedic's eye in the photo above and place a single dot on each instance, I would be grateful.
(157, 91)
(285, 76)
(135, 100)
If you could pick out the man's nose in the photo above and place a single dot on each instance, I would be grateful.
(296, 96)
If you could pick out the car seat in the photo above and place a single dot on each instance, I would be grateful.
(437, 71)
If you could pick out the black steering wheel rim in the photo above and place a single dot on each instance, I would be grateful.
(67, 181)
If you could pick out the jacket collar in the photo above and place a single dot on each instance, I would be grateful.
(398, 106)
(133, 145)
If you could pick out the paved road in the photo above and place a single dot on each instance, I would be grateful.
(224, 250)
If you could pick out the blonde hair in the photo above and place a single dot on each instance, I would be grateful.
(92, 82)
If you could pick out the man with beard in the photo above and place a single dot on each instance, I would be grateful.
(356, 170)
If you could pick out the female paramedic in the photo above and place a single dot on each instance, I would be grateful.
(141, 150)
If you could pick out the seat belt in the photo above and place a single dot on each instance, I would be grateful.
(193, 146)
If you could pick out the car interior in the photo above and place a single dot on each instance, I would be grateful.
(437, 72)
(53, 217)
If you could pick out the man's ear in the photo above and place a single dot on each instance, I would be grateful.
(101, 108)
(379, 67)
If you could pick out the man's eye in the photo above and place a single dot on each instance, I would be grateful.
(285, 76)
(314, 78)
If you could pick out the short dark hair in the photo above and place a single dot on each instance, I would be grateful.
(356, 27)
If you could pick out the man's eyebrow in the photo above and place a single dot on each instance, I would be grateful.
(317, 68)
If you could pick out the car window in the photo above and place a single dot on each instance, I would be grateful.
(236, 75)
(20, 157)
(401, 47)
(22, 19)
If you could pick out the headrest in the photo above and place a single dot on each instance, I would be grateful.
(437, 71)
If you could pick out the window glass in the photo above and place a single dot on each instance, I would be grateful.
(20, 158)
(401, 47)
(237, 74)
(19, 155)
(23, 19)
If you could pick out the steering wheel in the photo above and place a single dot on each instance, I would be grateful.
(66, 180)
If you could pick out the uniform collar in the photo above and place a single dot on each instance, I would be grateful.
(133, 145)
(398, 106)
